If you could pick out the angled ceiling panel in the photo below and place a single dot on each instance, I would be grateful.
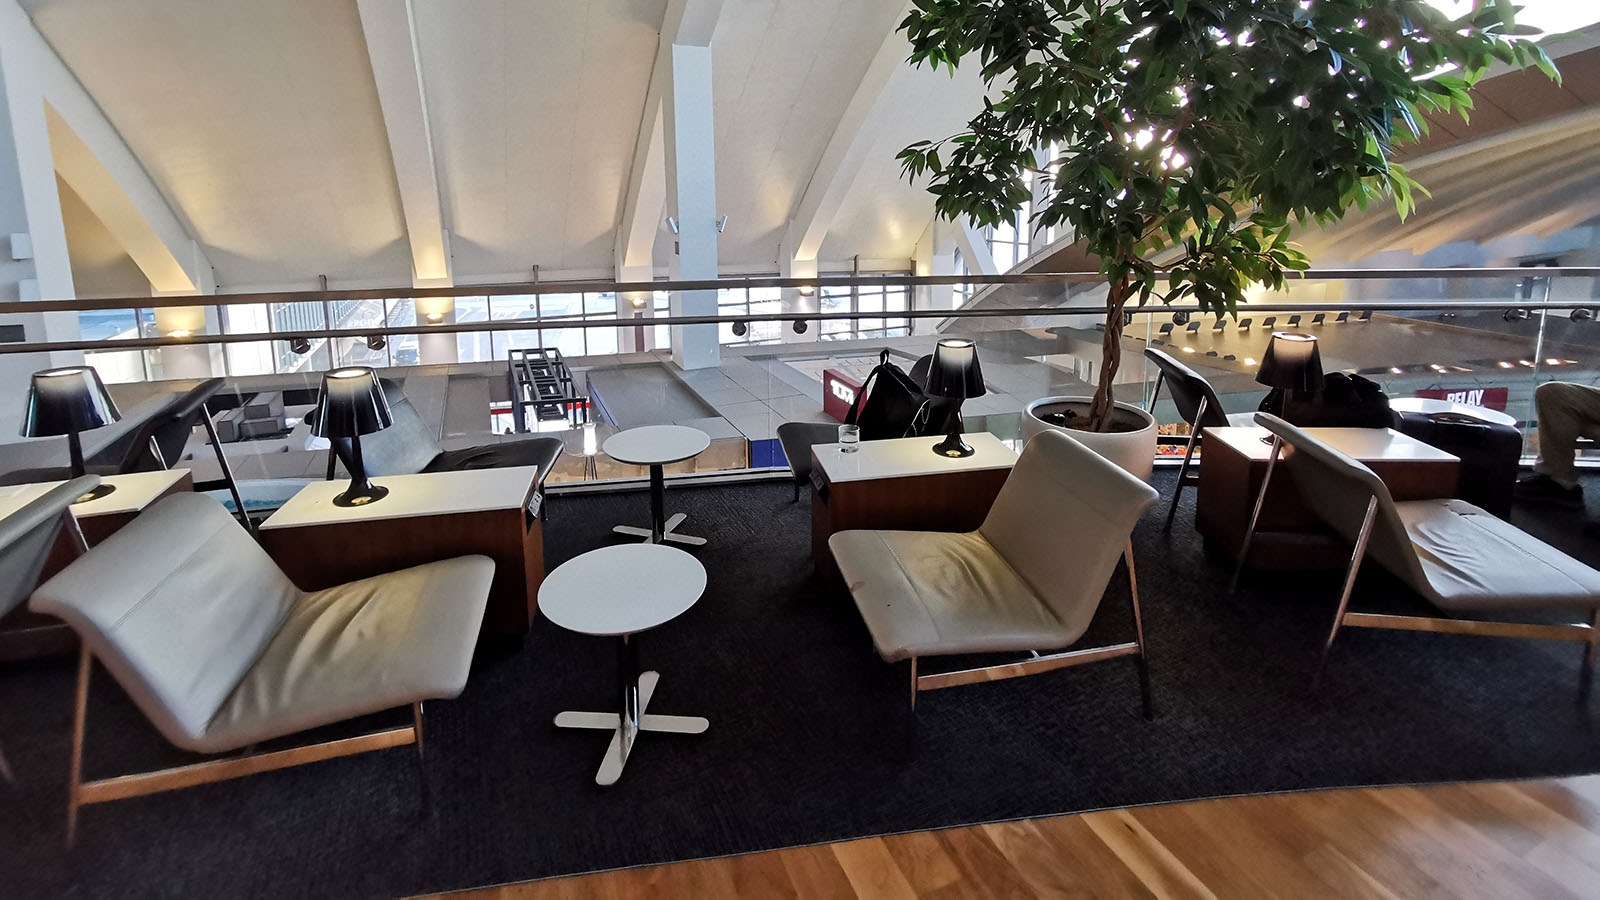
(258, 121)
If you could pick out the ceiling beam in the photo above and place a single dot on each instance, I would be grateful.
(853, 140)
(391, 35)
(688, 23)
(86, 151)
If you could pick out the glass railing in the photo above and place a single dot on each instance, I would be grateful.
(1482, 338)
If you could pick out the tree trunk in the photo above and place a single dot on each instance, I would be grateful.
(1102, 409)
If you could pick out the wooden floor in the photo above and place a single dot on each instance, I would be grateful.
(1536, 839)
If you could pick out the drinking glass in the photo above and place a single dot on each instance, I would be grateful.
(849, 438)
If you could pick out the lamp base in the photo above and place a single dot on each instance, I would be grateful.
(361, 495)
(953, 447)
(96, 494)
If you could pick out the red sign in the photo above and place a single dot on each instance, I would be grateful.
(838, 392)
(1493, 398)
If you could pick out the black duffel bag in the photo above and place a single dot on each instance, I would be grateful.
(1346, 401)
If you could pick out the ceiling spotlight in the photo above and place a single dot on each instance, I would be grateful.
(721, 224)
(300, 345)
(1249, 360)
(180, 333)
(740, 329)
(1582, 315)
(800, 326)
(673, 224)
(1180, 318)
(639, 302)
(1516, 315)
(1188, 349)
(1504, 365)
(434, 318)
(807, 290)
(377, 341)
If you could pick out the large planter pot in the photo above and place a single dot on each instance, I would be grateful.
(1133, 447)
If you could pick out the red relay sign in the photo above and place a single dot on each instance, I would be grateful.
(1493, 398)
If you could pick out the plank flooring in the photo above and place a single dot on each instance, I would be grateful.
(1533, 839)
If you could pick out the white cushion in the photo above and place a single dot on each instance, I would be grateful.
(359, 648)
(1476, 561)
(923, 593)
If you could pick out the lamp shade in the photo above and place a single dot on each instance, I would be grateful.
(351, 403)
(67, 401)
(1292, 362)
(955, 371)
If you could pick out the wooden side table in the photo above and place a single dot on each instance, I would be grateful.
(25, 634)
(425, 518)
(902, 484)
(1290, 536)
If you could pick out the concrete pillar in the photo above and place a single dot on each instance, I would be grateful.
(638, 305)
(798, 299)
(433, 347)
(692, 201)
(31, 207)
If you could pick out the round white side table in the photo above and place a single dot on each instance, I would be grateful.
(656, 446)
(619, 592)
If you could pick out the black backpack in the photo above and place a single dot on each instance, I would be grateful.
(889, 404)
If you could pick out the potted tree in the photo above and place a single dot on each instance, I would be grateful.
(1187, 136)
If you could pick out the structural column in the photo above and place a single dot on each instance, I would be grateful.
(33, 240)
(692, 198)
(798, 299)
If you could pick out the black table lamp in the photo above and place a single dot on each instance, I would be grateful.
(352, 404)
(954, 375)
(68, 401)
(1292, 362)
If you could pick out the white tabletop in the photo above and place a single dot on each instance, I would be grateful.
(1363, 444)
(656, 445)
(906, 457)
(1434, 407)
(622, 590)
(410, 496)
(133, 493)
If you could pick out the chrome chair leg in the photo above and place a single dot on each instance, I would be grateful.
(1255, 515)
(1188, 454)
(1138, 634)
(80, 712)
(913, 683)
(1356, 556)
(1586, 673)
(227, 471)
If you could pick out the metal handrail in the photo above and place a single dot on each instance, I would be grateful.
(643, 287)
(502, 325)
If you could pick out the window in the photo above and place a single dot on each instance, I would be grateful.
(867, 298)
(745, 302)
(561, 316)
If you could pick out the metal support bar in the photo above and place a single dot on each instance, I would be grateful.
(1026, 667)
(1356, 556)
(1255, 515)
(1576, 633)
(227, 471)
(1188, 454)
(81, 793)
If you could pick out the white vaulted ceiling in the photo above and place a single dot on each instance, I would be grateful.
(260, 123)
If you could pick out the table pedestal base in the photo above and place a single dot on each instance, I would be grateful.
(661, 528)
(627, 728)
(668, 535)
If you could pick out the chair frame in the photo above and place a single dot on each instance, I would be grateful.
(82, 793)
(1037, 663)
(1185, 477)
(1578, 632)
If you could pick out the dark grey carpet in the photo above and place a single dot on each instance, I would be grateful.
(810, 739)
